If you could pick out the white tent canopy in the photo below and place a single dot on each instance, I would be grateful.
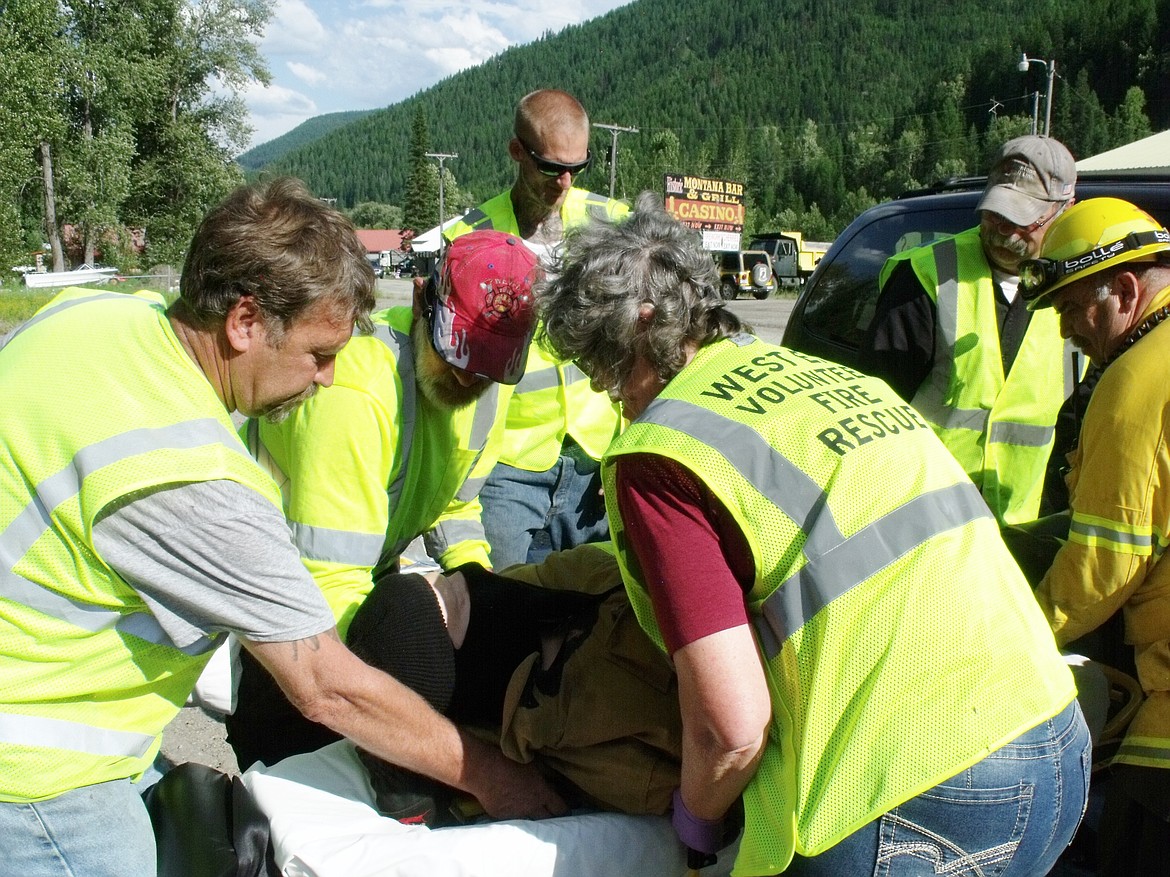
(428, 241)
(1150, 155)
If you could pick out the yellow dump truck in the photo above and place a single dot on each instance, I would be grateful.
(793, 258)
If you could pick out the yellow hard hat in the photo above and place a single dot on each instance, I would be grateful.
(1089, 237)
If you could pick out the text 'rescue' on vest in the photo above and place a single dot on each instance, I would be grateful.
(900, 640)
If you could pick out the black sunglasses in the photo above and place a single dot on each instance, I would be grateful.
(551, 168)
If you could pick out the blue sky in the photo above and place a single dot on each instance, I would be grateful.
(332, 55)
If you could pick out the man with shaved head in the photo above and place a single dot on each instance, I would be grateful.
(545, 493)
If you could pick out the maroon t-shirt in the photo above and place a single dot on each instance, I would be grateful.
(692, 552)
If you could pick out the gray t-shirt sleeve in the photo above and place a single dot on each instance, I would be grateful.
(212, 557)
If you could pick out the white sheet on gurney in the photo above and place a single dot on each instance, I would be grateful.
(323, 824)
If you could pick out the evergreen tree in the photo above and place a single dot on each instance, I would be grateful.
(947, 154)
(422, 188)
(1130, 122)
(1088, 130)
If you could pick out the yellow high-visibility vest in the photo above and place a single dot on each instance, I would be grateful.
(101, 402)
(900, 640)
(1000, 428)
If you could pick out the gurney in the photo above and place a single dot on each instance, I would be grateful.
(321, 815)
(323, 822)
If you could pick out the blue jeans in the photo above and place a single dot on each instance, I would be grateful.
(1010, 815)
(95, 831)
(528, 515)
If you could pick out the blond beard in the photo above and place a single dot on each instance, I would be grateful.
(436, 379)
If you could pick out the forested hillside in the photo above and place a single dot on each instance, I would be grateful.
(820, 106)
(306, 132)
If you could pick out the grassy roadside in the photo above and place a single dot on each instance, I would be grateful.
(18, 302)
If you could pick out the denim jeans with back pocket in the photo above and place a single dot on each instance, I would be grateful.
(1010, 815)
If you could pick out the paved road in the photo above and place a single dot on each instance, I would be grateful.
(767, 317)
(197, 736)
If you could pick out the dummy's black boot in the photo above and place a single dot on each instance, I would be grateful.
(409, 797)
(507, 620)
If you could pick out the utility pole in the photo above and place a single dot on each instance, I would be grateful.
(441, 156)
(1050, 69)
(614, 130)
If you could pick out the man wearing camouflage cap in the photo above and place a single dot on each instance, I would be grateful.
(952, 337)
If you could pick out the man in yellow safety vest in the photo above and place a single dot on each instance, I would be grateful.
(136, 530)
(953, 338)
(545, 492)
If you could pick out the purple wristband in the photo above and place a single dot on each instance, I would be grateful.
(704, 835)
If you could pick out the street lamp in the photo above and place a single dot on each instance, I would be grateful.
(441, 156)
(1050, 68)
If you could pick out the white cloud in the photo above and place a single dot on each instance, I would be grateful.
(277, 98)
(306, 74)
(333, 55)
(294, 27)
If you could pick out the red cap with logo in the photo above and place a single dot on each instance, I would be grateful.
(482, 315)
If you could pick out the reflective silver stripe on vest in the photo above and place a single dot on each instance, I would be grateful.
(1097, 531)
(486, 407)
(573, 374)
(1128, 750)
(834, 563)
(931, 402)
(541, 379)
(41, 732)
(402, 348)
(477, 219)
(826, 576)
(34, 520)
(438, 539)
(65, 305)
(1071, 360)
(784, 484)
(337, 546)
(1023, 434)
(932, 408)
(548, 377)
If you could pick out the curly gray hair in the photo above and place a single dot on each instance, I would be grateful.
(640, 285)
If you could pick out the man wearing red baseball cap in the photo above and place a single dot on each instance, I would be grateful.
(478, 306)
(397, 448)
